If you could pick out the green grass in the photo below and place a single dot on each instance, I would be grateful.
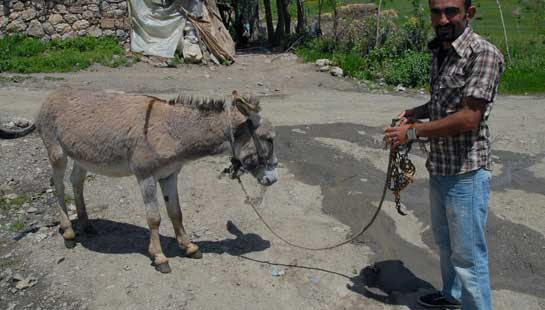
(17, 225)
(29, 55)
(7, 204)
(525, 24)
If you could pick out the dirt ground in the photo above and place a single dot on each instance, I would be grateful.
(332, 169)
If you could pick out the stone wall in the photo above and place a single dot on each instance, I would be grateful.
(60, 19)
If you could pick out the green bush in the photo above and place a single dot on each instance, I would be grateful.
(29, 55)
(411, 69)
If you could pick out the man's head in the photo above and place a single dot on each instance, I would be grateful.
(450, 18)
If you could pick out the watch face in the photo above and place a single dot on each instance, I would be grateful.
(411, 134)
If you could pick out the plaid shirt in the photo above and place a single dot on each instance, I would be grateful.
(471, 68)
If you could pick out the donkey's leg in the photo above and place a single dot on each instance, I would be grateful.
(148, 186)
(58, 163)
(78, 179)
(169, 186)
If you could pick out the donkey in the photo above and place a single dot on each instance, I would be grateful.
(116, 134)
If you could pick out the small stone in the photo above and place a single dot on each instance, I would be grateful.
(323, 62)
(277, 271)
(336, 71)
(259, 84)
(26, 283)
(400, 88)
(31, 210)
(324, 69)
(10, 196)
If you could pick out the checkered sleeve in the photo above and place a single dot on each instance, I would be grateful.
(484, 74)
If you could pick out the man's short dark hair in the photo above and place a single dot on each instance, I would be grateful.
(467, 3)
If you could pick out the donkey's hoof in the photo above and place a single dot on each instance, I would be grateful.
(196, 255)
(163, 268)
(69, 243)
(90, 230)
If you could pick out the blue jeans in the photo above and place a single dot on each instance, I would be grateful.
(459, 206)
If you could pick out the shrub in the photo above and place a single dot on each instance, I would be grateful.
(411, 69)
(29, 55)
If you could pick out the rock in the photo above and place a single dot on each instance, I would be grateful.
(277, 271)
(108, 32)
(336, 71)
(17, 277)
(76, 10)
(55, 19)
(48, 28)
(59, 8)
(31, 210)
(259, 84)
(70, 18)
(94, 31)
(120, 33)
(28, 14)
(94, 7)
(119, 13)
(62, 27)
(87, 15)
(21, 122)
(16, 26)
(400, 88)
(18, 6)
(323, 62)
(324, 69)
(192, 52)
(80, 25)
(10, 196)
(26, 283)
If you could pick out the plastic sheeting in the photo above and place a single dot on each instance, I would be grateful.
(158, 25)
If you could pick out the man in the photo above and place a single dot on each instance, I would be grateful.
(465, 73)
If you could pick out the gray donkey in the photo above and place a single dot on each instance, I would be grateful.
(116, 134)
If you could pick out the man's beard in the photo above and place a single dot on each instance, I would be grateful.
(448, 33)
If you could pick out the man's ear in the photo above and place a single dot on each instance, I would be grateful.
(471, 11)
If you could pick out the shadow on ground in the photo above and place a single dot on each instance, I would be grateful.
(121, 238)
(390, 282)
(350, 186)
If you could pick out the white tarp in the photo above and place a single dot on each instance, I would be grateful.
(157, 27)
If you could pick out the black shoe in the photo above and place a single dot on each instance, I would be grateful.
(436, 300)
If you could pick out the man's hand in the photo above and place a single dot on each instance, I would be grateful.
(395, 136)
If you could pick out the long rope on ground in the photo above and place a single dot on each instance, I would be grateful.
(329, 247)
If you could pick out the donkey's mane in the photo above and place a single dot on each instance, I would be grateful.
(201, 104)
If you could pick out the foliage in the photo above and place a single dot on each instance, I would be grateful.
(401, 56)
(6, 204)
(23, 54)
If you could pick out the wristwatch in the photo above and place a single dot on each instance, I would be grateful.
(411, 134)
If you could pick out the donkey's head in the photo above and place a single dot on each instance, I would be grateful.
(253, 142)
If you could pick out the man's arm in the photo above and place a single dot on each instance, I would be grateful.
(420, 112)
(466, 119)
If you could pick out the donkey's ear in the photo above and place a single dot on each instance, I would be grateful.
(249, 107)
(246, 106)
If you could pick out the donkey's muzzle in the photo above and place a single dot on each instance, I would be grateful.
(268, 177)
